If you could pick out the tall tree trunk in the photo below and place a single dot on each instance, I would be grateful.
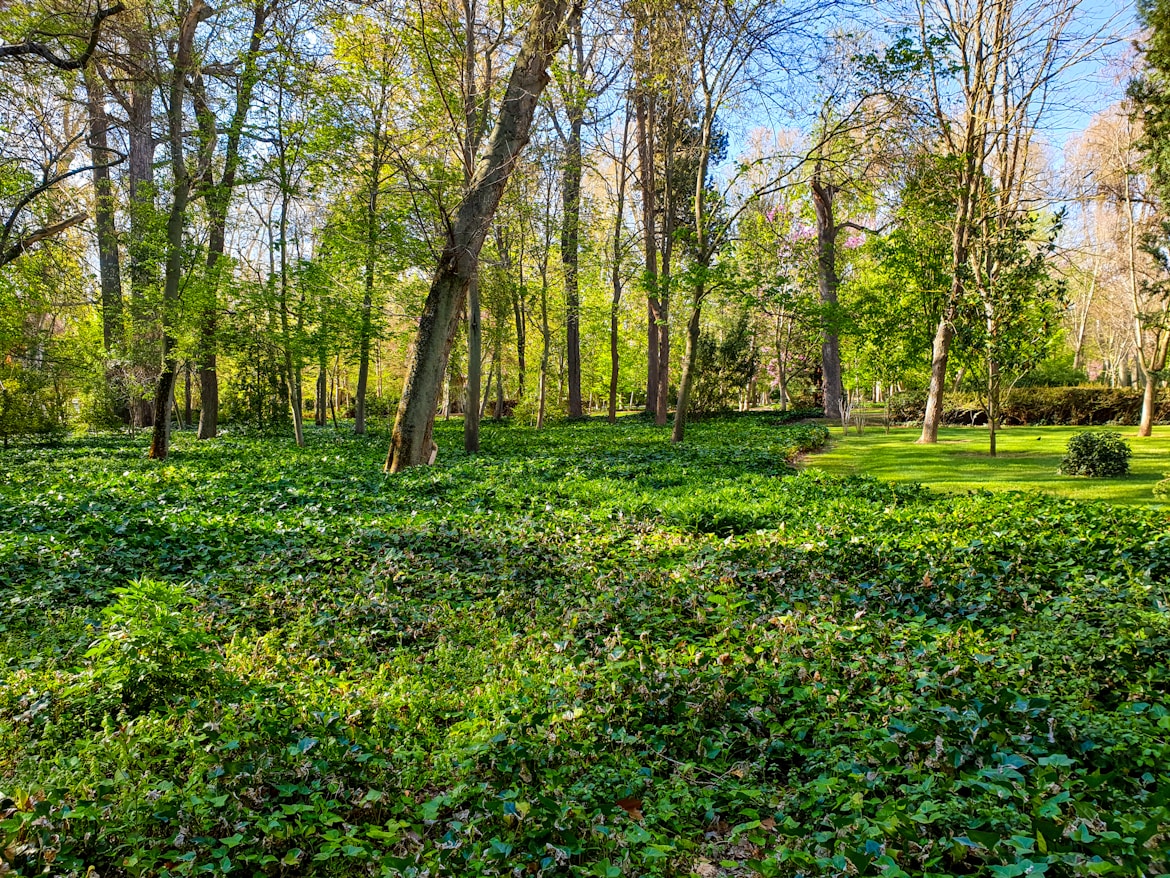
(571, 220)
(141, 244)
(615, 275)
(218, 199)
(187, 409)
(1149, 394)
(109, 265)
(662, 395)
(940, 351)
(662, 318)
(176, 221)
(970, 186)
(827, 284)
(499, 412)
(292, 370)
(319, 413)
(546, 347)
(474, 365)
(414, 424)
(521, 335)
(644, 122)
(359, 423)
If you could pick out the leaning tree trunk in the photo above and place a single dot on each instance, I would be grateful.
(945, 333)
(940, 351)
(412, 440)
(1146, 427)
(161, 437)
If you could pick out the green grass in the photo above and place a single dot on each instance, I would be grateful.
(583, 652)
(1027, 460)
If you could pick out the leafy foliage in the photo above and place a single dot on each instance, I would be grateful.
(1097, 453)
(585, 652)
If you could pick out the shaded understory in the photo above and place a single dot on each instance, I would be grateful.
(582, 652)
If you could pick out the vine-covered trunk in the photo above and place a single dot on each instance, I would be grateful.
(412, 440)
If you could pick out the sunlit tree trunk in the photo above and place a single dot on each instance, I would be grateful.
(109, 265)
(412, 440)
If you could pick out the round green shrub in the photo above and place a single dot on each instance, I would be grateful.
(1162, 488)
(1096, 453)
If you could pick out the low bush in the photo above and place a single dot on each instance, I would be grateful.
(1097, 453)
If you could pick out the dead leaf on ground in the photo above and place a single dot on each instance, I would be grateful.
(632, 807)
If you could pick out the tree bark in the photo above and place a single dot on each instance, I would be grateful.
(109, 264)
(141, 247)
(644, 121)
(688, 373)
(176, 221)
(218, 199)
(615, 275)
(827, 285)
(571, 220)
(414, 424)
(474, 365)
(366, 330)
(1146, 427)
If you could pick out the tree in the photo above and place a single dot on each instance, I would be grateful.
(411, 443)
(245, 73)
(991, 68)
(729, 44)
(182, 180)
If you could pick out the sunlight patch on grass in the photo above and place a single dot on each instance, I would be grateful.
(1027, 461)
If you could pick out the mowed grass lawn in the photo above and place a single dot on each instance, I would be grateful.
(1027, 461)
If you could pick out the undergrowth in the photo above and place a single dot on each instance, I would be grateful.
(582, 652)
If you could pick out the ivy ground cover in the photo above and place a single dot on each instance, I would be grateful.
(582, 652)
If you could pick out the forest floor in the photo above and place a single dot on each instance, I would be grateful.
(1027, 459)
(584, 651)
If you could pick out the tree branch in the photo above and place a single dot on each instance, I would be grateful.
(31, 238)
(42, 50)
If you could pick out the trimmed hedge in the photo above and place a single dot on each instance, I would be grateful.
(1041, 406)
